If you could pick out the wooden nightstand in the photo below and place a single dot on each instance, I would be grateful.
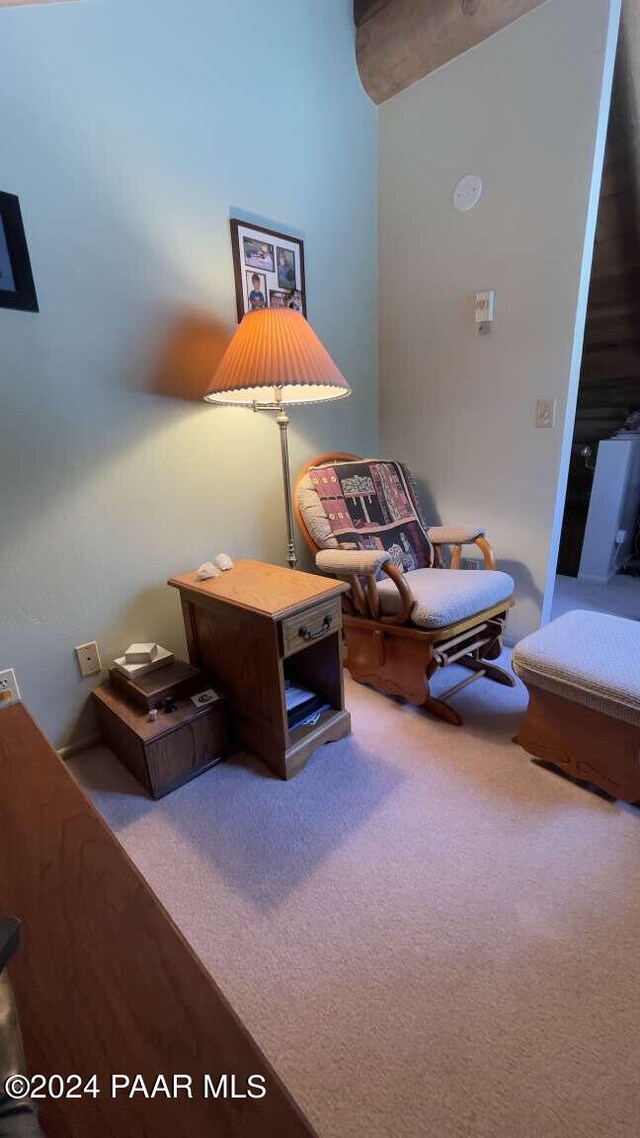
(256, 626)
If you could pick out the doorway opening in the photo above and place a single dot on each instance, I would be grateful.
(599, 557)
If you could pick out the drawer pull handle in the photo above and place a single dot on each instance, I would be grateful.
(304, 632)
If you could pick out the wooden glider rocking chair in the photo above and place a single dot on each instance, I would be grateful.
(406, 615)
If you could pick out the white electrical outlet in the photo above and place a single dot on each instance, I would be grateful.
(546, 413)
(9, 690)
(88, 658)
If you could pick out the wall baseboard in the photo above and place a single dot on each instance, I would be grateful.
(72, 749)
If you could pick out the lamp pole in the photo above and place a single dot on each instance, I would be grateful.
(282, 419)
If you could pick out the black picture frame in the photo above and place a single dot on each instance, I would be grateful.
(21, 293)
(272, 239)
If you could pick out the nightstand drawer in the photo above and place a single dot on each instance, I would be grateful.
(310, 625)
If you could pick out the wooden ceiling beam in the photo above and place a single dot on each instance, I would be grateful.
(401, 41)
(365, 9)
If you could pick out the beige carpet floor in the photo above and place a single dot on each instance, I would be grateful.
(427, 933)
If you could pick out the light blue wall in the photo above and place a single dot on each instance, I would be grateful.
(131, 129)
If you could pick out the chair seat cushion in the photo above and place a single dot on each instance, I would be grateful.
(445, 596)
(592, 658)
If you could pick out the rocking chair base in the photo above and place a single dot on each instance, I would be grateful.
(400, 660)
(442, 710)
(491, 671)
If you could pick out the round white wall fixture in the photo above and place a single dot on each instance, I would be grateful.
(467, 193)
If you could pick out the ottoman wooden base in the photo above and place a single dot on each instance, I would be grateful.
(583, 743)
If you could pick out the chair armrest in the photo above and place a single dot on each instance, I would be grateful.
(345, 562)
(454, 535)
(351, 564)
(457, 536)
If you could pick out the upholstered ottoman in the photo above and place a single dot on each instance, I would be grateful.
(582, 672)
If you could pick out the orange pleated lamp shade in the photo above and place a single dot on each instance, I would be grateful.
(275, 356)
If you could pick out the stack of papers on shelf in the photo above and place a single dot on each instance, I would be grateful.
(313, 715)
(303, 706)
(295, 695)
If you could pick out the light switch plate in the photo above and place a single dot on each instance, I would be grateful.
(485, 306)
(546, 413)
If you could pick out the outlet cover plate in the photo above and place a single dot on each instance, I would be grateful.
(9, 690)
(88, 658)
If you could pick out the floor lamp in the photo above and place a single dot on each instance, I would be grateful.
(273, 360)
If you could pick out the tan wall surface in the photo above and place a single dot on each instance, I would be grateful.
(522, 111)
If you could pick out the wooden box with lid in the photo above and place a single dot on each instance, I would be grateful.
(171, 750)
